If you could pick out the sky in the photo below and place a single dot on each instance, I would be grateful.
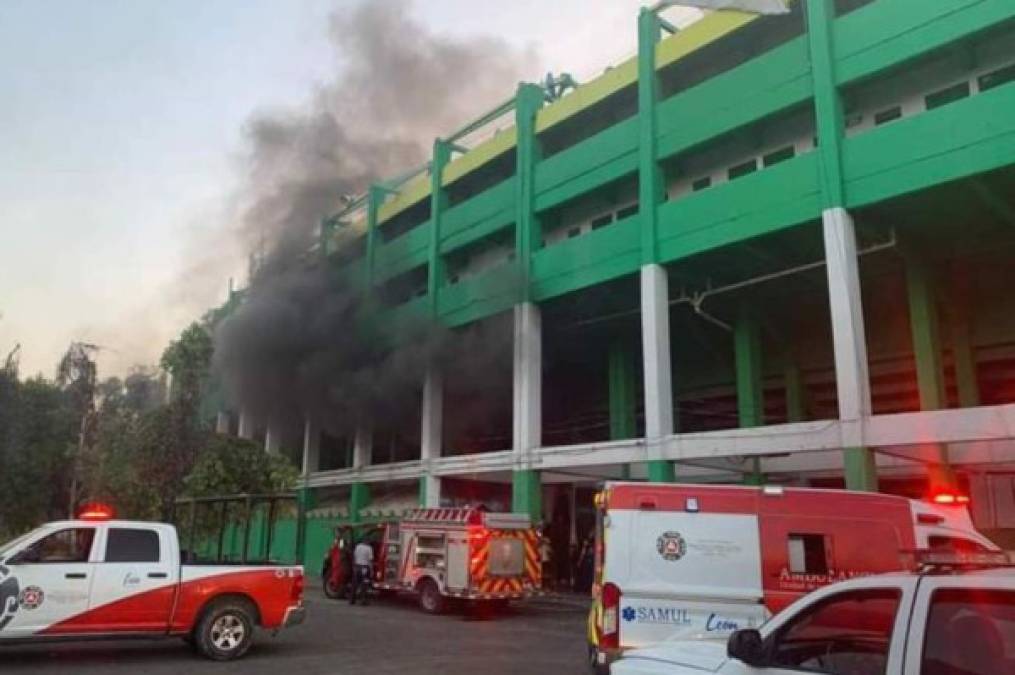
(121, 128)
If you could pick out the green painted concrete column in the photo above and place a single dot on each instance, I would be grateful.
(661, 471)
(651, 189)
(422, 490)
(651, 182)
(840, 243)
(924, 322)
(963, 355)
(526, 488)
(436, 271)
(750, 392)
(528, 234)
(359, 498)
(305, 500)
(527, 494)
(623, 381)
(827, 101)
(796, 392)
(375, 195)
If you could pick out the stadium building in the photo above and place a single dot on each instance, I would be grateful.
(772, 249)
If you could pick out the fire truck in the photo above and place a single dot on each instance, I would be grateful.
(443, 554)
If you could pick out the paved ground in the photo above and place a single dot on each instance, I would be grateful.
(390, 636)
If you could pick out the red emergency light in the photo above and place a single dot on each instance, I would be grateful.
(96, 511)
(950, 499)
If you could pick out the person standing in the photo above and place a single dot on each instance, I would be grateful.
(363, 561)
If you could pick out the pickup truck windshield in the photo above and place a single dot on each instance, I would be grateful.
(9, 547)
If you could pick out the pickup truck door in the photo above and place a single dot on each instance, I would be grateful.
(135, 580)
(47, 582)
(860, 630)
(962, 624)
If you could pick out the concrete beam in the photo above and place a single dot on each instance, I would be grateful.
(984, 427)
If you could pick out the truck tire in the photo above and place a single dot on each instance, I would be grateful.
(595, 667)
(226, 630)
(430, 599)
(333, 591)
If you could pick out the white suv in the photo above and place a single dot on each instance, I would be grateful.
(955, 618)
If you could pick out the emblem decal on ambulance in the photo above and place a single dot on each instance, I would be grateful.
(31, 597)
(9, 592)
(671, 546)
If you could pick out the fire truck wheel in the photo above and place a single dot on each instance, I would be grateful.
(333, 591)
(430, 599)
(226, 630)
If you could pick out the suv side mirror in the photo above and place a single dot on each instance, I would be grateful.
(746, 645)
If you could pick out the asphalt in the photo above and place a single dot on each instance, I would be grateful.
(388, 636)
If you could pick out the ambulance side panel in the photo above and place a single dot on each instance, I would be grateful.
(811, 540)
(683, 575)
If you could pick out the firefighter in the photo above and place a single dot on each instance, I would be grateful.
(363, 561)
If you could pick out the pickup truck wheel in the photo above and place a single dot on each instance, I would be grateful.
(226, 630)
(430, 599)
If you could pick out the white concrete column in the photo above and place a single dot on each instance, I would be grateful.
(311, 447)
(527, 433)
(362, 448)
(848, 336)
(655, 338)
(273, 437)
(432, 434)
(246, 426)
(222, 422)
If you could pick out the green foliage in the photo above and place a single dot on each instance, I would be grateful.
(80, 438)
(230, 465)
(188, 358)
(37, 426)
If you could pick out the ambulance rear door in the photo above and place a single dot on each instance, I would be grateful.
(683, 575)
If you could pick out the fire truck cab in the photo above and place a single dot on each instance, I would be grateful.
(459, 553)
(679, 562)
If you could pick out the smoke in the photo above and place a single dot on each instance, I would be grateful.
(302, 340)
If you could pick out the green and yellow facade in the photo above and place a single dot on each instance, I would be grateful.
(763, 249)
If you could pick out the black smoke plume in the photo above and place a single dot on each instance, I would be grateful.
(302, 340)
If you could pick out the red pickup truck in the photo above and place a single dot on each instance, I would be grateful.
(100, 578)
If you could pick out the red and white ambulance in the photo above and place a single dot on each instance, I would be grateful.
(679, 562)
(95, 577)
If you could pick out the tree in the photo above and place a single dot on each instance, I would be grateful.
(188, 359)
(78, 375)
(37, 424)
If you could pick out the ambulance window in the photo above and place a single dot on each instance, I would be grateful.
(807, 554)
(132, 546)
(66, 546)
(847, 633)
